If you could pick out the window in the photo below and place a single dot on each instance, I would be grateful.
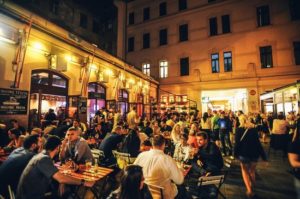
(227, 61)
(96, 27)
(266, 56)
(131, 18)
(146, 14)
(54, 6)
(146, 40)
(130, 44)
(83, 20)
(183, 32)
(294, 9)
(297, 52)
(215, 63)
(182, 4)
(213, 26)
(184, 66)
(146, 68)
(163, 37)
(225, 24)
(162, 8)
(163, 65)
(263, 16)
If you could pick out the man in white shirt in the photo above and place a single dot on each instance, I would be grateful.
(160, 169)
(132, 118)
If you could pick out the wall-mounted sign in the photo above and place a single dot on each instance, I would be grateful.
(82, 106)
(13, 102)
(252, 92)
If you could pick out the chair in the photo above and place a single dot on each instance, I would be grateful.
(157, 192)
(11, 193)
(123, 159)
(216, 181)
(98, 155)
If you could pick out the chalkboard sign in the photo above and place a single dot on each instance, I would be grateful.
(13, 102)
(82, 105)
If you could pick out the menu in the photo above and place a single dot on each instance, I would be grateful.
(13, 102)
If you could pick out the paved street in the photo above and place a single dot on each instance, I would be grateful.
(273, 181)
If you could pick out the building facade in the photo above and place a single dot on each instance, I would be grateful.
(43, 66)
(221, 54)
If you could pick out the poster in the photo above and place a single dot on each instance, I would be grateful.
(13, 102)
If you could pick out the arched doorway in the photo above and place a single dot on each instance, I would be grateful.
(49, 90)
(96, 98)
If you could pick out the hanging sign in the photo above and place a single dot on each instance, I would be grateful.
(13, 102)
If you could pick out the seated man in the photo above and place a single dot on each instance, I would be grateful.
(40, 171)
(160, 169)
(208, 160)
(111, 142)
(11, 169)
(76, 148)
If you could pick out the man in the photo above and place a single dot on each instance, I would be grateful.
(16, 125)
(76, 148)
(215, 127)
(164, 128)
(11, 169)
(111, 142)
(160, 169)
(208, 160)
(97, 132)
(77, 126)
(132, 118)
(224, 124)
(40, 171)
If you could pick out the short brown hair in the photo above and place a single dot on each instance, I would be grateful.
(158, 140)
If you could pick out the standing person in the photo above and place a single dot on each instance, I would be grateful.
(206, 124)
(132, 185)
(132, 118)
(50, 115)
(294, 157)
(40, 171)
(215, 128)
(224, 124)
(248, 149)
(131, 144)
(160, 169)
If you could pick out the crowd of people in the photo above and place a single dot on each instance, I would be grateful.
(155, 143)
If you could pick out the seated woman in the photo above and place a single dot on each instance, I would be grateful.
(132, 185)
(131, 144)
(175, 134)
(14, 135)
(182, 150)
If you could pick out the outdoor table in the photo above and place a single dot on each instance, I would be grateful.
(93, 173)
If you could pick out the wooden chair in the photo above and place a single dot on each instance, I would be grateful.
(123, 159)
(215, 181)
(157, 192)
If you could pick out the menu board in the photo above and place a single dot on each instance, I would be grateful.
(82, 105)
(13, 102)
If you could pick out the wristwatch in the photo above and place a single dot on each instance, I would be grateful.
(82, 182)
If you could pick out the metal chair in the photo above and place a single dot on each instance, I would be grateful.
(215, 181)
(11, 193)
(123, 159)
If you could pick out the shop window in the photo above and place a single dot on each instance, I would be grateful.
(263, 16)
(163, 65)
(146, 68)
(146, 13)
(183, 32)
(40, 78)
(266, 57)
(295, 9)
(227, 61)
(146, 40)
(215, 63)
(83, 20)
(130, 44)
(131, 18)
(225, 24)
(162, 8)
(297, 52)
(184, 66)
(163, 37)
(58, 81)
(182, 5)
(213, 25)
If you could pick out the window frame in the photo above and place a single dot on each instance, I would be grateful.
(226, 27)
(163, 9)
(215, 62)
(130, 43)
(131, 18)
(213, 25)
(163, 42)
(146, 40)
(265, 56)
(146, 14)
(163, 68)
(296, 46)
(146, 68)
(184, 66)
(183, 36)
(227, 65)
(182, 5)
(263, 16)
(82, 22)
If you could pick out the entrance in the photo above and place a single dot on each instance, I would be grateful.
(231, 99)
(49, 90)
(96, 99)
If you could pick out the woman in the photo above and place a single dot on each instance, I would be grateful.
(132, 185)
(206, 124)
(155, 128)
(248, 149)
(192, 141)
(182, 150)
(175, 134)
